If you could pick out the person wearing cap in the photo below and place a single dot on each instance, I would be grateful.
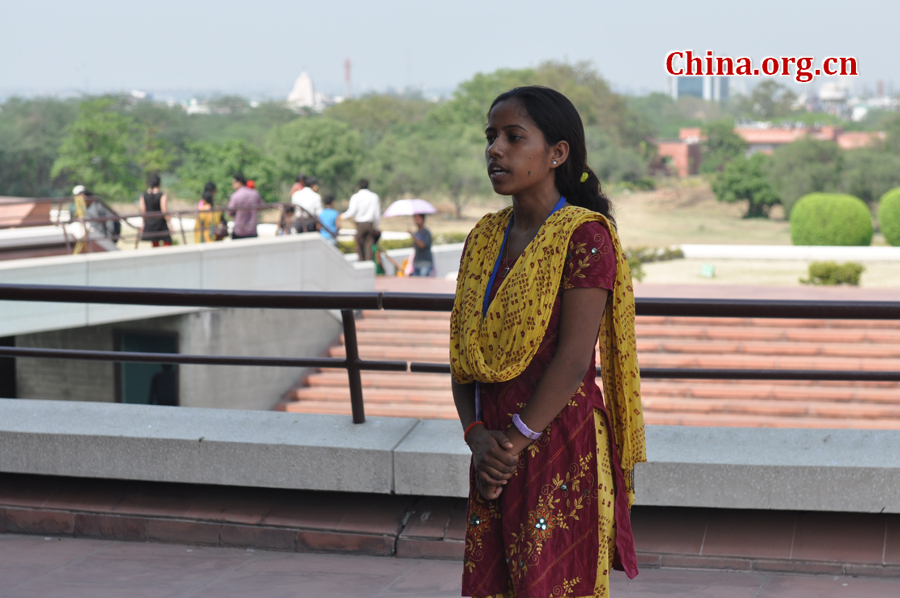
(244, 207)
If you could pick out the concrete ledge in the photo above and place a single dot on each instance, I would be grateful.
(433, 460)
(199, 446)
(771, 468)
(730, 468)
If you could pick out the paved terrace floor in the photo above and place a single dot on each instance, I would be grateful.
(49, 567)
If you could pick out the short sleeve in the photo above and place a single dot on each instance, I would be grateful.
(590, 259)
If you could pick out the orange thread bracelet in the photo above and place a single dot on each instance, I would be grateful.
(469, 429)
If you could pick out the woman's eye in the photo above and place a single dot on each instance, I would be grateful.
(490, 138)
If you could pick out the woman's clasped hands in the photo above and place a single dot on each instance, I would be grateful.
(494, 459)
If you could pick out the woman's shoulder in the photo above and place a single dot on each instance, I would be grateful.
(590, 231)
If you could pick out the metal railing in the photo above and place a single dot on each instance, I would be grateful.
(285, 220)
(349, 303)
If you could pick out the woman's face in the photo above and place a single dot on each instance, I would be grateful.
(518, 157)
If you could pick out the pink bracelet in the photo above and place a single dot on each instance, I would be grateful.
(525, 430)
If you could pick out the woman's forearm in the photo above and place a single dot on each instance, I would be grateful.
(464, 398)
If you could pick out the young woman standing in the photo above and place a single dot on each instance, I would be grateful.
(155, 229)
(539, 283)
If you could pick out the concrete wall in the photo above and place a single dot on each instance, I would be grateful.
(446, 258)
(243, 332)
(291, 263)
(745, 468)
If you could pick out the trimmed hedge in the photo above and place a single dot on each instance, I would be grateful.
(889, 216)
(832, 273)
(831, 219)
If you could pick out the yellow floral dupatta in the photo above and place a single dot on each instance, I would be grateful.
(499, 347)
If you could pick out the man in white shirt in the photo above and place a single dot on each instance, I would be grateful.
(310, 203)
(365, 209)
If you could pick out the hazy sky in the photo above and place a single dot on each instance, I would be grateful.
(261, 46)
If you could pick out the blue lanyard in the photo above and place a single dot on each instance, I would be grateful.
(493, 278)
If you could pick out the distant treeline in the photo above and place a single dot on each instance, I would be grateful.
(404, 144)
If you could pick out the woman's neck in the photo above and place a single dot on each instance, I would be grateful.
(531, 210)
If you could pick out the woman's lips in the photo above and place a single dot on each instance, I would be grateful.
(497, 174)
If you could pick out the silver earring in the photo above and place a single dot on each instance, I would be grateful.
(554, 161)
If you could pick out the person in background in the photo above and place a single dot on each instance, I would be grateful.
(377, 255)
(365, 210)
(329, 220)
(207, 219)
(242, 206)
(309, 203)
(155, 230)
(77, 211)
(101, 218)
(423, 261)
(298, 185)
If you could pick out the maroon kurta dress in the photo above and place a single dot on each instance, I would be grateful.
(543, 535)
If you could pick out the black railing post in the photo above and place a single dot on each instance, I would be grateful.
(352, 360)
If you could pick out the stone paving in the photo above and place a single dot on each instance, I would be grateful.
(50, 567)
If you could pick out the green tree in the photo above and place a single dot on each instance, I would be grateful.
(744, 179)
(768, 100)
(98, 151)
(804, 166)
(892, 128)
(206, 161)
(613, 164)
(325, 148)
(721, 146)
(373, 115)
(426, 161)
(30, 132)
(868, 174)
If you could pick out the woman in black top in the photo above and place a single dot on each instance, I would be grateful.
(156, 229)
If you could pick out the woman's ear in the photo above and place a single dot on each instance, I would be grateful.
(559, 153)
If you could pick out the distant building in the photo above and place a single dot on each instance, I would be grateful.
(305, 96)
(684, 157)
(711, 89)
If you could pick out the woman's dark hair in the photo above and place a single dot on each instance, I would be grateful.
(376, 237)
(558, 120)
(207, 197)
(301, 178)
(209, 187)
(153, 181)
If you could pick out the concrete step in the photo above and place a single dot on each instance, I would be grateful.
(417, 411)
(374, 395)
(405, 315)
(338, 379)
(406, 326)
(769, 391)
(769, 322)
(778, 362)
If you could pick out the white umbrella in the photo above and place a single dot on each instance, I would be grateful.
(409, 207)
